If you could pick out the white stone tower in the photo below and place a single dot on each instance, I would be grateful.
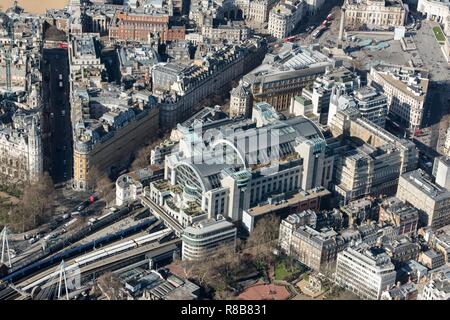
(35, 157)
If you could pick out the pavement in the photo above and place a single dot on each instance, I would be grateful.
(431, 52)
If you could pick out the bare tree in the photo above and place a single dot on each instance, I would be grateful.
(111, 287)
(216, 270)
(262, 241)
(142, 158)
(101, 183)
(35, 207)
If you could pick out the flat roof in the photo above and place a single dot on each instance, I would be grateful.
(423, 183)
(292, 200)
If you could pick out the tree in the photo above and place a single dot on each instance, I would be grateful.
(101, 183)
(110, 285)
(143, 155)
(36, 204)
(263, 240)
(142, 159)
(217, 270)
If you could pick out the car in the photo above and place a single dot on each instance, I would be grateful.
(66, 216)
(27, 236)
(138, 206)
(60, 84)
(60, 76)
(53, 225)
(32, 240)
(75, 213)
(63, 113)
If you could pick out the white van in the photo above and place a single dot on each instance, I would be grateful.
(75, 213)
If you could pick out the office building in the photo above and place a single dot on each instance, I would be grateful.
(202, 239)
(198, 177)
(284, 17)
(136, 62)
(141, 25)
(365, 271)
(179, 88)
(372, 104)
(406, 91)
(290, 224)
(399, 214)
(401, 250)
(369, 160)
(433, 201)
(284, 75)
(324, 89)
(114, 125)
(432, 259)
(359, 211)
(282, 206)
(316, 249)
(441, 171)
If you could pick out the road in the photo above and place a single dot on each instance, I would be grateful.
(57, 114)
(330, 6)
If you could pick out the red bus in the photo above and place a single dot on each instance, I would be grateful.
(289, 39)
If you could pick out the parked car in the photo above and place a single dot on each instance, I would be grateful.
(75, 213)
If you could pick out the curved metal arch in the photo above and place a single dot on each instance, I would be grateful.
(227, 142)
(197, 174)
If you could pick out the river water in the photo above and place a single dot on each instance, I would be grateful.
(35, 6)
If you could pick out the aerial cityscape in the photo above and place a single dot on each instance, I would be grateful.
(225, 150)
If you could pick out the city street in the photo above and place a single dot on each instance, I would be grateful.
(57, 114)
